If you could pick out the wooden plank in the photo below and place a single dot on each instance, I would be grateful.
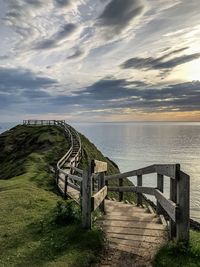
(75, 177)
(132, 231)
(74, 186)
(101, 184)
(173, 197)
(160, 186)
(130, 224)
(97, 199)
(139, 218)
(183, 200)
(127, 209)
(168, 205)
(98, 166)
(77, 169)
(146, 170)
(166, 169)
(139, 195)
(137, 189)
(150, 239)
(127, 213)
(86, 198)
(121, 195)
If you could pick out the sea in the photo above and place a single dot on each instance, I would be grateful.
(133, 145)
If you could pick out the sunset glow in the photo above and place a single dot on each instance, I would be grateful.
(81, 61)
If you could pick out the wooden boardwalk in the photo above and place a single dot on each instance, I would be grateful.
(128, 228)
(133, 229)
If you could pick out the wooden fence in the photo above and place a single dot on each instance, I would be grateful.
(91, 186)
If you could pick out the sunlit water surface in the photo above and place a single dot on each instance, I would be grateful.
(136, 145)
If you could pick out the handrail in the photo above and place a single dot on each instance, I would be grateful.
(177, 207)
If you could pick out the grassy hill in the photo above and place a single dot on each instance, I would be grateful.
(37, 228)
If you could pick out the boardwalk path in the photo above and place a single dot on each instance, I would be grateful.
(129, 229)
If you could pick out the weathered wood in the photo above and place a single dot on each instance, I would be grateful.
(138, 217)
(86, 199)
(74, 186)
(101, 184)
(139, 195)
(160, 186)
(136, 189)
(65, 188)
(146, 170)
(75, 178)
(169, 206)
(98, 166)
(132, 231)
(130, 224)
(77, 169)
(183, 200)
(121, 195)
(98, 198)
(166, 169)
(173, 197)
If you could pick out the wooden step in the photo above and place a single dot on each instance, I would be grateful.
(140, 218)
(130, 224)
(132, 231)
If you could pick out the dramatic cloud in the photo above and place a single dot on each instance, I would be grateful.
(77, 54)
(64, 32)
(160, 62)
(13, 80)
(118, 15)
(71, 51)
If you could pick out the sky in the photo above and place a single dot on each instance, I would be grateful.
(100, 60)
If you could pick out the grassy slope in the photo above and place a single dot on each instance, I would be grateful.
(178, 256)
(29, 235)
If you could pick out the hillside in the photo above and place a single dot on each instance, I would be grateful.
(30, 231)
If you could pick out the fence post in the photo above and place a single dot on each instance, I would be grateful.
(65, 188)
(173, 197)
(121, 194)
(139, 195)
(183, 202)
(160, 186)
(56, 175)
(101, 185)
(86, 198)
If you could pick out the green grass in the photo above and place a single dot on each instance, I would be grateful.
(177, 255)
(35, 230)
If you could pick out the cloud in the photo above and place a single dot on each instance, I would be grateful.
(159, 63)
(118, 15)
(77, 54)
(18, 80)
(120, 93)
(62, 34)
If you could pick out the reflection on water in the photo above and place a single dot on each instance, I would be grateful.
(135, 145)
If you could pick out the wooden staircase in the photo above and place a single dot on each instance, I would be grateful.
(132, 229)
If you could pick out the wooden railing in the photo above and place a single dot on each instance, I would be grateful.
(93, 186)
(177, 206)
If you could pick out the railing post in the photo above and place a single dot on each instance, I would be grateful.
(101, 185)
(121, 194)
(173, 197)
(139, 196)
(183, 202)
(65, 188)
(86, 198)
(160, 186)
(56, 175)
